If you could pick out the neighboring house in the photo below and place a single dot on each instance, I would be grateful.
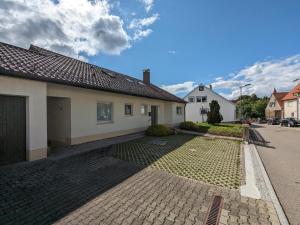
(275, 107)
(198, 105)
(292, 103)
(47, 99)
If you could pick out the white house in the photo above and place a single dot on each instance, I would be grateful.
(292, 103)
(47, 99)
(198, 105)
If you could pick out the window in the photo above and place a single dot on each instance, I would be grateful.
(104, 112)
(204, 98)
(272, 104)
(179, 110)
(198, 99)
(144, 109)
(191, 99)
(201, 88)
(128, 110)
(203, 111)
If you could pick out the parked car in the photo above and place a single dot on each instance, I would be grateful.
(246, 121)
(274, 121)
(261, 120)
(289, 122)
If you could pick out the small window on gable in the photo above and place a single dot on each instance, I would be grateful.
(143, 109)
(179, 110)
(128, 109)
(191, 99)
(204, 98)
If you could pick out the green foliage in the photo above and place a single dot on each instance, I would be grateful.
(159, 131)
(188, 125)
(214, 115)
(232, 130)
(252, 106)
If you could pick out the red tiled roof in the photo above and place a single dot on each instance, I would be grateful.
(291, 94)
(40, 64)
(279, 96)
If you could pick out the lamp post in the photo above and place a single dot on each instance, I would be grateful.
(298, 99)
(241, 97)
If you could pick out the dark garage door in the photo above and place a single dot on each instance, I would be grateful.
(12, 129)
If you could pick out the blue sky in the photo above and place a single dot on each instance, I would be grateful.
(184, 43)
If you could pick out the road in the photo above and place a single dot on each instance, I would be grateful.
(282, 163)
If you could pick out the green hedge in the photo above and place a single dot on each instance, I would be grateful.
(159, 131)
(232, 130)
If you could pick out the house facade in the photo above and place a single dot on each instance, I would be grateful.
(47, 100)
(198, 105)
(292, 103)
(275, 107)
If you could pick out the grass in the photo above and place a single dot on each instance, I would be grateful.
(214, 161)
(232, 130)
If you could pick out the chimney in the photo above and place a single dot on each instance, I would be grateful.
(210, 87)
(146, 76)
(274, 91)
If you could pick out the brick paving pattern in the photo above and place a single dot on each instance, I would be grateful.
(214, 161)
(94, 188)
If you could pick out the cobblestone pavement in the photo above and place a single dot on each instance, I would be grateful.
(211, 160)
(94, 188)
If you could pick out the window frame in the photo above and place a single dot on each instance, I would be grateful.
(206, 100)
(198, 97)
(128, 104)
(181, 111)
(145, 108)
(111, 112)
(191, 97)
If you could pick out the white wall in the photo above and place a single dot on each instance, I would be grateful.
(227, 108)
(84, 112)
(290, 107)
(36, 112)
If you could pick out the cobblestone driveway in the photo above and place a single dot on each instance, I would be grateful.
(97, 189)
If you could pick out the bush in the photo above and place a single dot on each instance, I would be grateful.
(189, 125)
(214, 115)
(159, 131)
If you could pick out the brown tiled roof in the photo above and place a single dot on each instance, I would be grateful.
(279, 96)
(40, 64)
(291, 94)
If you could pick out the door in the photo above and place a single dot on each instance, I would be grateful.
(154, 115)
(12, 129)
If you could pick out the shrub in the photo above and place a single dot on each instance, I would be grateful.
(159, 131)
(189, 125)
(214, 115)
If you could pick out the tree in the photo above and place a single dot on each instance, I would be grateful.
(252, 106)
(214, 115)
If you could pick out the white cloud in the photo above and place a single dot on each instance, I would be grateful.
(145, 22)
(148, 4)
(263, 77)
(68, 26)
(180, 88)
(173, 52)
(140, 34)
(139, 25)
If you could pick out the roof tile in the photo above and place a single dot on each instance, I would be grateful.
(44, 65)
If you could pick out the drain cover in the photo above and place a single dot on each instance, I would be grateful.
(214, 212)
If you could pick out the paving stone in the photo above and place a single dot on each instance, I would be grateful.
(96, 189)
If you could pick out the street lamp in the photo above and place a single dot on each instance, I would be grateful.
(241, 96)
(298, 99)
